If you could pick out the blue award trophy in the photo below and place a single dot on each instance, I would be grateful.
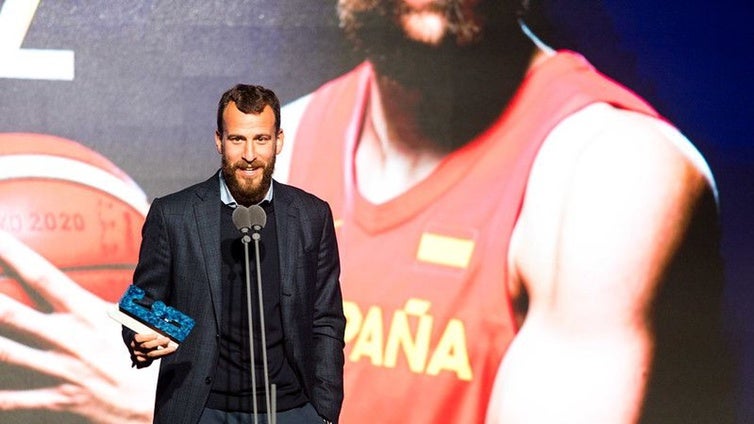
(158, 318)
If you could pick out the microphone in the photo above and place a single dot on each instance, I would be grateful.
(241, 219)
(245, 219)
(257, 217)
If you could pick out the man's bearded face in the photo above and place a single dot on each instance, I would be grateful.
(249, 143)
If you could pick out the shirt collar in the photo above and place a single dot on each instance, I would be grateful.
(228, 199)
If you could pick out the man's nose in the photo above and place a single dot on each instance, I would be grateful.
(249, 151)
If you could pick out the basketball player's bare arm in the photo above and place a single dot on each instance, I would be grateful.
(77, 345)
(602, 218)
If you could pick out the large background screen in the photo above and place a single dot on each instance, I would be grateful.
(106, 105)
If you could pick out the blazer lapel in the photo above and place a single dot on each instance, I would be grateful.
(207, 214)
(287, 215)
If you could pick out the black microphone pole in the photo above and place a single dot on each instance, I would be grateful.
(258, 221)
(254, 218)
(242, 221)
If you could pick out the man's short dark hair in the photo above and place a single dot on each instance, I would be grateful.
(248, 99)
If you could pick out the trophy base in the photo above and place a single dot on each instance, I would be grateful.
(135, 325)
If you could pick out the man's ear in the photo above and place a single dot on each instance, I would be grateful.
(219, 142)
(279, 142)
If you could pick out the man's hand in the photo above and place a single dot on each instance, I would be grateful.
(80, 347)
(148, 347)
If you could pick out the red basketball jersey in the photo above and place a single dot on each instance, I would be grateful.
(424, 275)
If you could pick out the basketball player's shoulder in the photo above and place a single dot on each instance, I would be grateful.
(602, 141)
(622, 169)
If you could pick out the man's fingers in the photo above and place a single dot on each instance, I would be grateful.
(140, 338)
(41, 276)
(158, 343)
(162, 351)
(152, 346)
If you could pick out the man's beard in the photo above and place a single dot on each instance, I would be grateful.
(465, 81)
(243, 192)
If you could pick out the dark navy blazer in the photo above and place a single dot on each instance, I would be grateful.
(179, 263)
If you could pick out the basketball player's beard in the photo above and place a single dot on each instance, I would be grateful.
(242, 192)
(464, 82)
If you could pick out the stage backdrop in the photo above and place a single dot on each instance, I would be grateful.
(105, 105)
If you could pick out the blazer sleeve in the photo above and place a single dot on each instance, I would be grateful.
(153, 270)
(328, 326)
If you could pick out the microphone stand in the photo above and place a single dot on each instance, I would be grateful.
(244, 217)
(271, 413)
(245, 239)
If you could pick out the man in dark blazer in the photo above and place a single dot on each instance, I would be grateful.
(190, 260)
